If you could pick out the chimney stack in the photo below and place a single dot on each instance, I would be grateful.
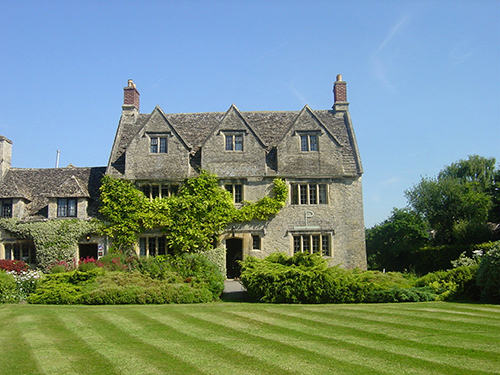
(130, 97)
(5, 155)
(340, 94)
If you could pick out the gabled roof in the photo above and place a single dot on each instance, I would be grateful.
(38, 185)
(269, 127)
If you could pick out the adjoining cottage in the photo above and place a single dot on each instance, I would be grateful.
(314, 151)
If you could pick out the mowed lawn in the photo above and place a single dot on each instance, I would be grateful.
(243, 338)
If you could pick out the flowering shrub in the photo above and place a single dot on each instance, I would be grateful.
(7, 288)
(62, 266)
(17, 266)
(26, 282)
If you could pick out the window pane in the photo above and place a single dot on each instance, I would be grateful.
(146, 189)
(303, 194)
(165, 191)
(296, 244)
(163, 145)
(315, 244)
(71, 207)
(312, 194)
(325, 245)
(17, 252)
(303, 143)
(154, 145)
(256, 241)
(306, 244)
(313, 143)
(161, 246)
(152, 246)
(6, 208)
(238, 193)
(8, 252)
(322, 194)
(142, 246)
(174, 189)
(295, 193)
(62, 207)
(238, 142)
(155, 191)
(229, 142)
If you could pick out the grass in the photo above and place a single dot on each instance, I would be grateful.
(231, 338)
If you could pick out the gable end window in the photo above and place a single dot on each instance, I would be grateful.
(158, 145)
(6, 208)
(309, 142)
(234, 142)
(66, 207)
(309, 193)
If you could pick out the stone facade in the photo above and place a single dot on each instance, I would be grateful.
(314, 151)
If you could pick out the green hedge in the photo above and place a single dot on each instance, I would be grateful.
(190, 278)
(488, 275)
(306, 278)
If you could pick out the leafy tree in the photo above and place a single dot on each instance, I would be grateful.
(389, 244)
(459, 201)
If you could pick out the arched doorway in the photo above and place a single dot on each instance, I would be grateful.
(234, 253)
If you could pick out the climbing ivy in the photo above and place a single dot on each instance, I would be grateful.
(193, 218)
(54, 240)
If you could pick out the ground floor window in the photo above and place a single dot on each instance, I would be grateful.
(312, 243)
(256, 242)
(152, 246)
(24, 251)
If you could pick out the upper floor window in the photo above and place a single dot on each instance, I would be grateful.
(309, 142)
(152, 191)
(309, 194)
(312, 243)
(236, 190)
(6, 207)
(234, 142)
(66, 207)
(158, 145)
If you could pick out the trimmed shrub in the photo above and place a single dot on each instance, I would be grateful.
(488, 275)
(455, 284)
(8, 288)
(397, 294)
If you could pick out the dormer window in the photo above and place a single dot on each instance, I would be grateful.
(158, 144)
(308, 142)
(234, 142)
(66, 207)
(6, 208)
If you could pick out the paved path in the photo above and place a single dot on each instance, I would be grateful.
(231, 285)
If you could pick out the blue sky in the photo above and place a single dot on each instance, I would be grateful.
(423, 77)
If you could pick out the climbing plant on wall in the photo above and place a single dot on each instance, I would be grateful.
(54, 240)
(193, 218)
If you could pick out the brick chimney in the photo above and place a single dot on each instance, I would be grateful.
(130, 97)
(340, 95)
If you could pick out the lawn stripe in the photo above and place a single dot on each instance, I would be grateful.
(393, 324)
(307, 358)
(16, 358)
(437, 357)
(209, 356)
(483, 331)
(128, 354)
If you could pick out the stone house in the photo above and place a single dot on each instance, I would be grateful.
(314, 151)
(38, 194)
